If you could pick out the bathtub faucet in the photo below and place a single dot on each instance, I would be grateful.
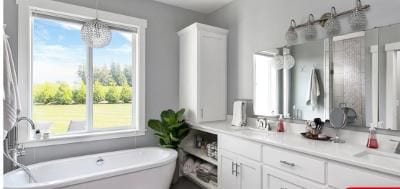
(18, 149)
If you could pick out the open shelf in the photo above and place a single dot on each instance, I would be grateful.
(201, 183)
(200, 154)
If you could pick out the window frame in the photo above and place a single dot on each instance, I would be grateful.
(25, 10)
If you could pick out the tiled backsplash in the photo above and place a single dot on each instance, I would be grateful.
(349, 75)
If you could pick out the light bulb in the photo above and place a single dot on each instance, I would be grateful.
(291, 34)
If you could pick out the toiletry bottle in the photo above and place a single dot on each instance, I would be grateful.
(281, 124)
(372, 140)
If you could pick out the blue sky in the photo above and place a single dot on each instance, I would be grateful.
(58, 50)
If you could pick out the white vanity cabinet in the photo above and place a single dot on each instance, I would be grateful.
(237, 172)
(239, 163)
(203, 72)
(246, 164)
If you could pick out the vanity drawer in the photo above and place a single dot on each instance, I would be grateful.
(342, 176)
(299, 164)
(281, 184)
(240, 146)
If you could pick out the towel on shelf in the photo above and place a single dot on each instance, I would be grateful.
(239, 113)
(203, 175)
(12, 106)
(313, 90)
(188, 166)
(206, 167)
(196, 165)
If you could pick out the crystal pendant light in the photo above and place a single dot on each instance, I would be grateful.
(291, 34)
(95, 33)
(278, 62)
(310, 32)
(358, 19)
(332, 25)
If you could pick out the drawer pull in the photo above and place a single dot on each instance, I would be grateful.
(237, 169)
(233, 168)
(287, 163)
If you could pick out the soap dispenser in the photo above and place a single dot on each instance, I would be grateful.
(372, 140)
(281, 124)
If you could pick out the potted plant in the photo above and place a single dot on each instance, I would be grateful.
(171, 129)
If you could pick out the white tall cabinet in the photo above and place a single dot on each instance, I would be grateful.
(203, 72)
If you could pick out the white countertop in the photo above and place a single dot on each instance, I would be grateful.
(294, 141)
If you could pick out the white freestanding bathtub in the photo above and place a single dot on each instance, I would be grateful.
(142, 168)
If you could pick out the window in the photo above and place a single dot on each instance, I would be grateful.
(62, 68)
(74, 90)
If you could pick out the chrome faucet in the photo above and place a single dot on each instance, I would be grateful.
(263, 123)
(18, 149)
(397, 151)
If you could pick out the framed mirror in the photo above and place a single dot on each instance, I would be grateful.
(358, 72)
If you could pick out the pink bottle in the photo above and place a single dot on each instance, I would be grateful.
(281, 125)
(372, 140)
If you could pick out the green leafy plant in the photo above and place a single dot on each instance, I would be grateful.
(171, 129)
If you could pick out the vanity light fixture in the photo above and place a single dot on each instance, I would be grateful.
(291, 34)
(332, 25)
(358, 20)
(95, 33)
(310, 32)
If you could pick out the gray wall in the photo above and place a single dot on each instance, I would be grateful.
(161, 68)
(308, 56)
(256, 25)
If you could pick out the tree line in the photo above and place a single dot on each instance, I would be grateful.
(111, 85)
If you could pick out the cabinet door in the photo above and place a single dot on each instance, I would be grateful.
(212, 79)
(249, 174)
(226, 171)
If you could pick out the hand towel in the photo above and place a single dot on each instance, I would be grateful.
(12, 106)
(313, 90)
(239, 113)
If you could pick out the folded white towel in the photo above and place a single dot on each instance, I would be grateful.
(188, 166)
(239, 113)
(313, 90)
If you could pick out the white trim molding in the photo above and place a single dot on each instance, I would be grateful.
(374, 50)
(82, 137)
(392, 69)
(25, 9)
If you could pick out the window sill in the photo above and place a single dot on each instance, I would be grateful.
(82, 137)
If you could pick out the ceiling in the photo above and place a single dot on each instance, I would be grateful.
(202, 6)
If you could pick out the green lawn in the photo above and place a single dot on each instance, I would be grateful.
(105, 115)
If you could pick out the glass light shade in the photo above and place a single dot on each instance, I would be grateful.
(288, 61)
(332, 25)
(291, 34)
(358, 20)
(310, 32)
(278, 62)
(96, 34)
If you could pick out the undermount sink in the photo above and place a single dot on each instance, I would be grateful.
(382, 158)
